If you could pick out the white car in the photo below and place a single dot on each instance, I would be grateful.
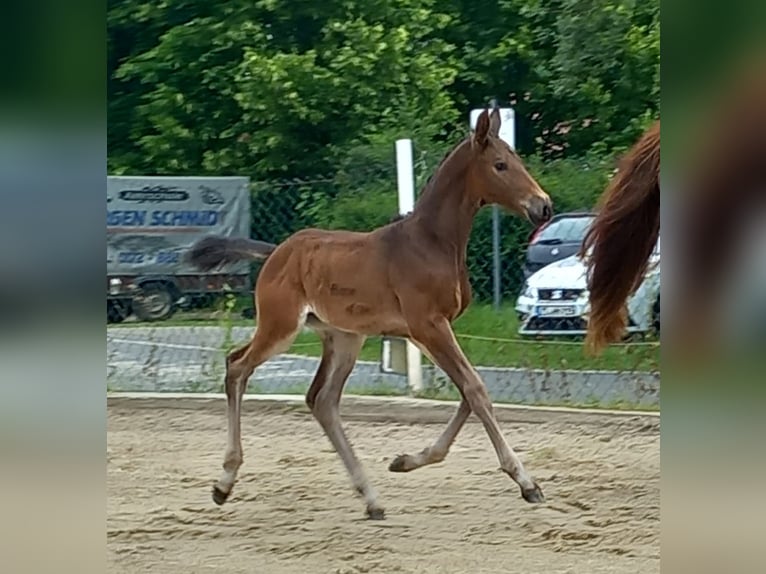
(554, 300)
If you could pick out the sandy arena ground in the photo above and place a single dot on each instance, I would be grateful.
(293, 510)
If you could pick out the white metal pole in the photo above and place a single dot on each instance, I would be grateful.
(406, 185)
(404, 176)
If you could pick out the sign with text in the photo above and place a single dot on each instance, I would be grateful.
(152, 221)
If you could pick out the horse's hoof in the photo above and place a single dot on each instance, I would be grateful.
(399, 464)
(219, 496)
(533, 495)
(375, 513)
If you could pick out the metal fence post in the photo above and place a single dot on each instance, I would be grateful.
(406, 186)
(496, 287)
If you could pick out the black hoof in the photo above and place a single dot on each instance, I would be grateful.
(219, 496)
(533, 495)
(375, 513)
(399, 464)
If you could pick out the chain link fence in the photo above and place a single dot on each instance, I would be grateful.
(523, 355)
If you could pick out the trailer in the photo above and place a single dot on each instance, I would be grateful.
(151, 222)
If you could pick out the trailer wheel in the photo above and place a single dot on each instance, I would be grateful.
(154, 302)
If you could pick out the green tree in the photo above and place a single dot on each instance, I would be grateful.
(280, 88)
(606, 68)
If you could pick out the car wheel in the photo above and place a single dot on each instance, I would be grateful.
(656, 315)
(117, 311)
(154, 302)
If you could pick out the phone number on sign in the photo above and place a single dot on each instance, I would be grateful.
(137, 258)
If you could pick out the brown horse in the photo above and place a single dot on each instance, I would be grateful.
(405, 279)
(622, 237)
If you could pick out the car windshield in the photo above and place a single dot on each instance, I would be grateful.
(567, 229)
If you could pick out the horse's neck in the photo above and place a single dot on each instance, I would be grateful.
(445, 210)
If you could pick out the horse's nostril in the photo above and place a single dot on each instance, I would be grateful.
(547, 211)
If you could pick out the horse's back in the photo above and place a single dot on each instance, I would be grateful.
(344, 276)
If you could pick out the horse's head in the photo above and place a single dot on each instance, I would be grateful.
(498, 176)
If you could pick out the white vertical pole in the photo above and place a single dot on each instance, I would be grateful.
(406, 185)
(404, 176)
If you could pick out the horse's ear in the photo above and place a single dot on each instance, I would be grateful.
(494, 123)
(481, 133)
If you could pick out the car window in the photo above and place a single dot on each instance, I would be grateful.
(566, 229)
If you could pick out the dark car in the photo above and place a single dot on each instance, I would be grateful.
(560, 237)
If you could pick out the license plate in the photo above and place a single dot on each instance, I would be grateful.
(556, 311)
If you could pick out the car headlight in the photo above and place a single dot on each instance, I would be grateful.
(530, 292)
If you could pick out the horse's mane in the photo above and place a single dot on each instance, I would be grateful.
(622, 238)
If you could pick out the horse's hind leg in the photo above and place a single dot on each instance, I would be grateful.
(275, 333)
(340, 351)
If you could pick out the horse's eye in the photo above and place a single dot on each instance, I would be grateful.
(501, 166)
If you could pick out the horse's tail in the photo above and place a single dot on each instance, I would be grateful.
(622, 237)
(214, 251)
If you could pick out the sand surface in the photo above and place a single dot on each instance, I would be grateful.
(293, 510)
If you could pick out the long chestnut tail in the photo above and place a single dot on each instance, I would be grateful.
(622, 238)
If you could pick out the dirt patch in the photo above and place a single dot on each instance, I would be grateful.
(293, 510)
